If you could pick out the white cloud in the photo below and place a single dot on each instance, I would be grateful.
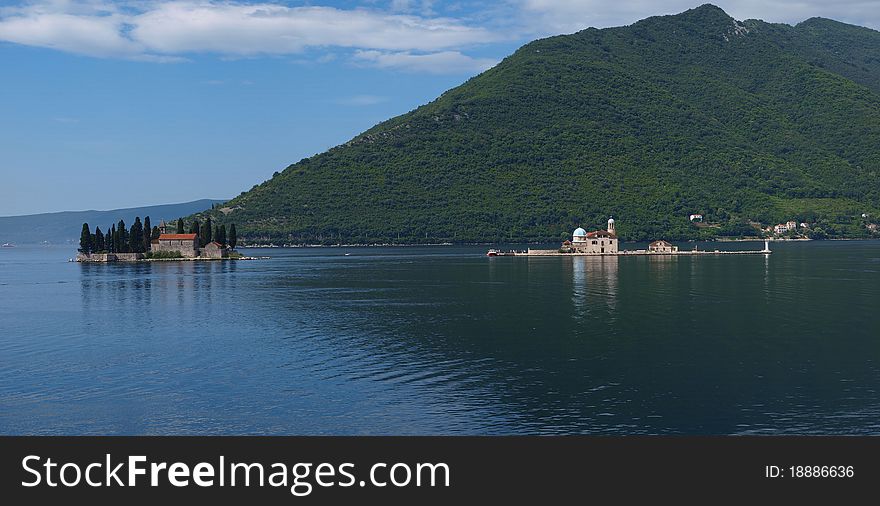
(95, 32)
(164, 29)
(408, 35)
(443, 62)
(362, 100)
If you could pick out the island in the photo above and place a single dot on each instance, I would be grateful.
(141, 242)
(605, 242)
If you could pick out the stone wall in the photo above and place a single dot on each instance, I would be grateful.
(109, 257)
(211, 252)
(187, 249)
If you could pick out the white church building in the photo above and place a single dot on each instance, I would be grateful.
(596, 242)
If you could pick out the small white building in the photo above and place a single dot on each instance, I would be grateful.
(662, 247)
(696, 217)
(788, 226)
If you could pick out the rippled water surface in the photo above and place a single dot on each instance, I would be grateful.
(443, 340)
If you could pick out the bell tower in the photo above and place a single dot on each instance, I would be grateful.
(611, 229)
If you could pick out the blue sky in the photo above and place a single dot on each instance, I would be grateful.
(109, 104)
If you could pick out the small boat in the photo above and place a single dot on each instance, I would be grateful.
(497, 253)
(7, 245)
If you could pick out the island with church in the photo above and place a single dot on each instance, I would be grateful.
(141, 242)
(606, 243)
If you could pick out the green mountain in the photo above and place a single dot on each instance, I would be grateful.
(693, 113)
(65, 226)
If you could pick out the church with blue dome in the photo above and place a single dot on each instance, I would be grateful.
(596, 242)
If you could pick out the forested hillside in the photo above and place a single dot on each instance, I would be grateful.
(744, 122)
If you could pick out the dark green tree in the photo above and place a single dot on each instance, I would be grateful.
(221, 235)
(233, 238)
(180, 229)
(194, 228)
(85, 240)
(121, 237)
(146, 234)
(112, 239)
(155, 233)
(99, 241)
(206, 233)
(136, 236)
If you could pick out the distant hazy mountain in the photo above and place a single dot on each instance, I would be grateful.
(741, 121)
(66, 226)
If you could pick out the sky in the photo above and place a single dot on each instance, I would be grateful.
(110, 104)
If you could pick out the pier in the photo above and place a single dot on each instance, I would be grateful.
(637, 252)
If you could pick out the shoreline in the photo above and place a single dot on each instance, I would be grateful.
(104, 258)
(415, 245)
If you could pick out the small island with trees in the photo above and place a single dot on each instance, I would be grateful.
(144, 242)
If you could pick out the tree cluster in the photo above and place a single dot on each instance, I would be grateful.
(119, 238)
(139, 237)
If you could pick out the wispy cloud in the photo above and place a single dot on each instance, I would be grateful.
(164, 30)
(362, 100)
(395, 34)
(443, 62)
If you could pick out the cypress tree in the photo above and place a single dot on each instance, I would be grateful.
(145, 240)
(154, 234)
(221, 235)
(194, 228)
(180, 229)
(85, 240)
(99, 240)
(121, 239)
(136, 236)
(111, 240)
(206, 233)
(233, 238)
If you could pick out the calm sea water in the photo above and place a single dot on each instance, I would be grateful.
(443, 340)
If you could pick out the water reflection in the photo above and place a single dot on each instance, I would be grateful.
(594, 281)
(405, 341)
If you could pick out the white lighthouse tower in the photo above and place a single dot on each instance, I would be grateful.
(611, 226)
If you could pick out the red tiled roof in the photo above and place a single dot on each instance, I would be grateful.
(215, 243)
(601, 233)
(177, 237)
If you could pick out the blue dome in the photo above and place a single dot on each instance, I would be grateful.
(579, 232)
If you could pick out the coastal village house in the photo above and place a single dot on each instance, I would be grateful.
(662, 247)
(186, 244)
(782, 228)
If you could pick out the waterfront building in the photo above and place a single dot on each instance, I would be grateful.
(214, 250)
(662, 247)
(186, 244)
(599, 241)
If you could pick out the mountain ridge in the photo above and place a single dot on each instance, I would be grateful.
(65, 226)
(742, 121)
